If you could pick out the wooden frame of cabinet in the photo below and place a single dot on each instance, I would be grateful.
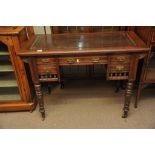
(15, 38)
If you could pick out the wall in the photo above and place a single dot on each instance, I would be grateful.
(40, 29)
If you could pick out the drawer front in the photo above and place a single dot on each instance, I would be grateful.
(121, 58)
(46, 69)
(83, 60)
(120, 63)
(45, 60)
(119, 67)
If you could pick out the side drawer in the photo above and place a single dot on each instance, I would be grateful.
(119, 67)
(46, 69)
(121, 58)
(83, 60)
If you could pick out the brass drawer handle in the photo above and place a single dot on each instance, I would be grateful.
(45, 60)
(119, 67)
(70, 60)
(121, 58)
(47, 71)
(95, 59)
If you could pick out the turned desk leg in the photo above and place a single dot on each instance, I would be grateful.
(128, 94)
(40, 99)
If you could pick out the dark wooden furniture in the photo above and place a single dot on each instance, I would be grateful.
(15, 93)
(120, 51)
(84, 71)
(147, 34)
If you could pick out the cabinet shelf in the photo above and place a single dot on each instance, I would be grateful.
(9, 97)
(8, 83)
(6, 68)
(3, 53)
(9, 94)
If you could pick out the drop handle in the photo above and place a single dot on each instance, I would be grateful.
(95, 59)
(70, 60)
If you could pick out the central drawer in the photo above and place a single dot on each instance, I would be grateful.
(86, 60)
(46, 60)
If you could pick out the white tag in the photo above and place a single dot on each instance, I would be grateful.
(39, 50)
(77, 61)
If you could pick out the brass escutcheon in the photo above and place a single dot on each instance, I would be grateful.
(47, 71)
(121, 58)
(45, 60)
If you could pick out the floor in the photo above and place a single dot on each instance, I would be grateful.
(86, 104)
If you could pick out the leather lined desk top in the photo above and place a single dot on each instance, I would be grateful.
(102, 42)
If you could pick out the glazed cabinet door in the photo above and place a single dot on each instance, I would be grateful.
(9, 90)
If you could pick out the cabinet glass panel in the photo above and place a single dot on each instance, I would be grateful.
(8, 83)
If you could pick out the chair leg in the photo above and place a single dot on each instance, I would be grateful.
(138, 95)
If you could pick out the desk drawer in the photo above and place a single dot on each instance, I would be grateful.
(45, 60)
(119, 67)
(83, 60)
(121, 58)
(46, 69)
(119, 63)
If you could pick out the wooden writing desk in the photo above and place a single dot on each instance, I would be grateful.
(119, 51)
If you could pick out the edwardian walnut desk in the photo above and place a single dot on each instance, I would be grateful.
(119, 51)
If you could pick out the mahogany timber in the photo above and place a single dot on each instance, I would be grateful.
(120, 50)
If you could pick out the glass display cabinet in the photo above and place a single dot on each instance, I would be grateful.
(15, 91)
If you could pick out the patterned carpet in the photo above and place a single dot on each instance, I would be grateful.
(86, 104)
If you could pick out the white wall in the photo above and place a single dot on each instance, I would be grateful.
(40, 29)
